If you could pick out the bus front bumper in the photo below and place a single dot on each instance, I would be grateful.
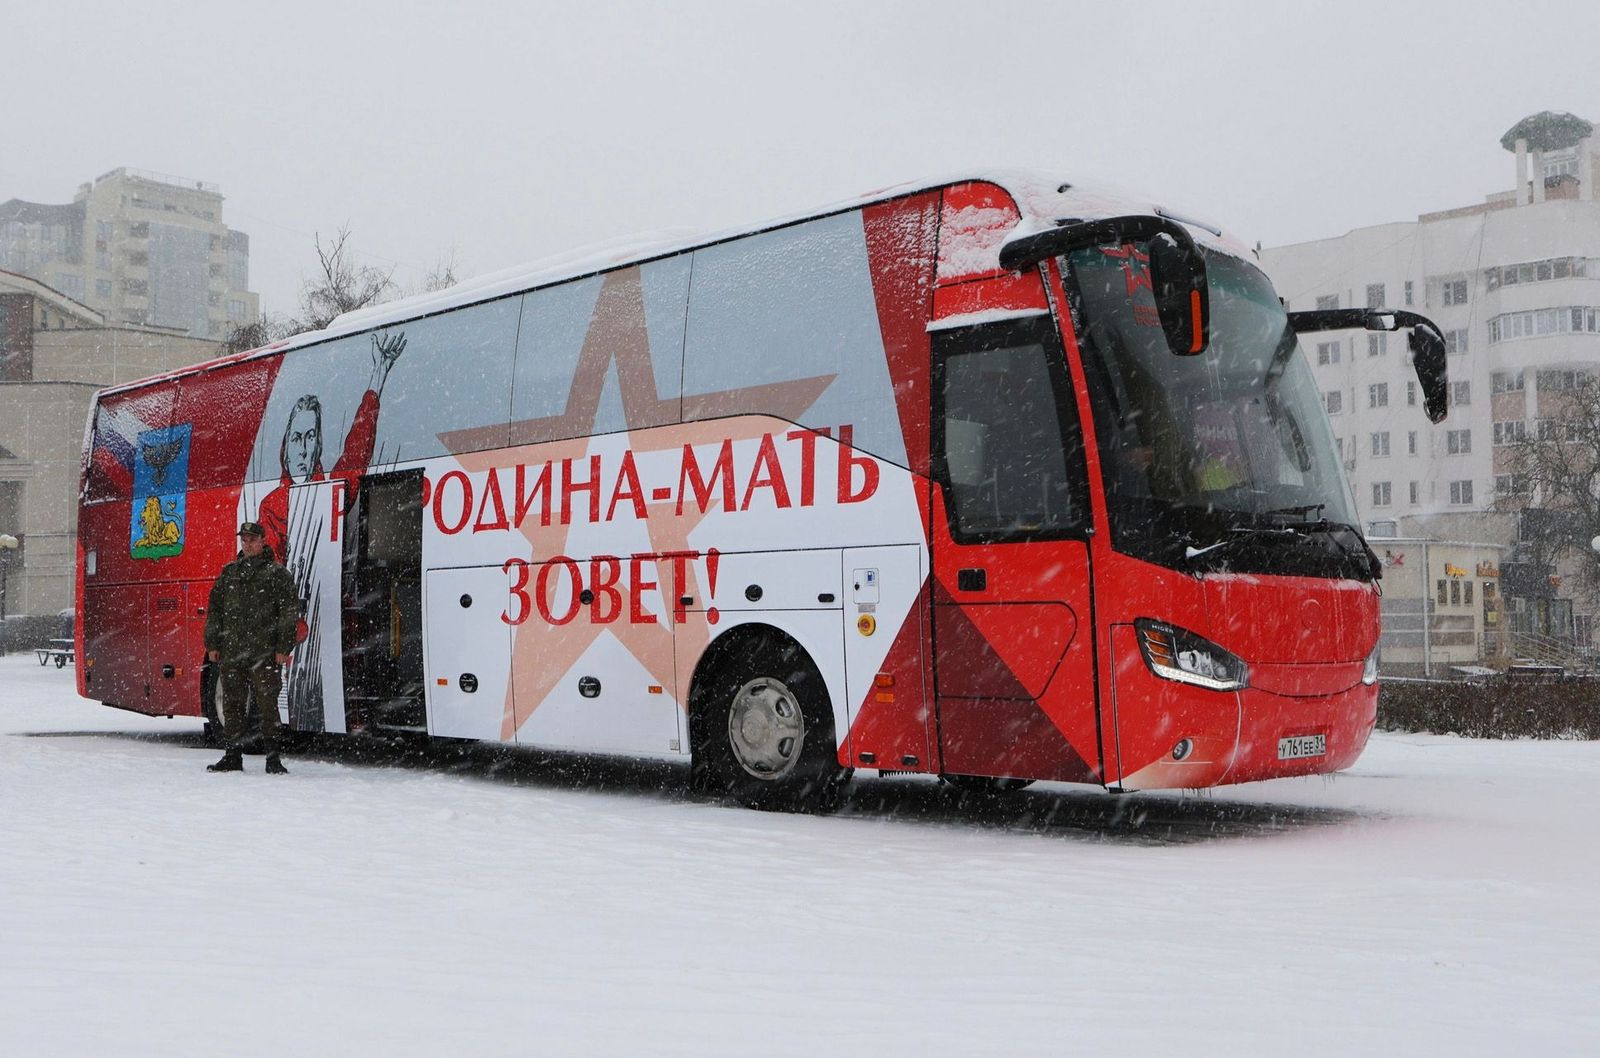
(1290, 722)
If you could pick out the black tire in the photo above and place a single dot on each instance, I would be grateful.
(985, 785)
(212, 731)
(761, 728)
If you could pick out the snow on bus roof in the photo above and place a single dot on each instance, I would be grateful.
(1043, 201)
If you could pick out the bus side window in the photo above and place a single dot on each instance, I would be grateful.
(1003, 448)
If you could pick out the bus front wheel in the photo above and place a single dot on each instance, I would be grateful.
(761, 728)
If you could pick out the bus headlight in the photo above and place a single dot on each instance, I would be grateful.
(1174, 654)
(1369, 671)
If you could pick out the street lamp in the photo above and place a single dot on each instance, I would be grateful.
(8, 544)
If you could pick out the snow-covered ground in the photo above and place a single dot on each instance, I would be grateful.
(1438, 899)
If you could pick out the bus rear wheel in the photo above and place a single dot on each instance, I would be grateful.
(212, 732)
(761, 729)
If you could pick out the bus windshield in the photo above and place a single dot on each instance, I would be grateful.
(1217, 461)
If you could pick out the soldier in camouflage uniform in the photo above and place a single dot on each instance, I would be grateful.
(250, 631)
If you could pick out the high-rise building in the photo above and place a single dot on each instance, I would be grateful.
(1514, 284)
(141, 248)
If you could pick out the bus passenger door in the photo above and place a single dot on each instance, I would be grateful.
(383, 604)
(1012, 626)
(468, 651)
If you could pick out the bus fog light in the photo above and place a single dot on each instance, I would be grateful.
(1369, 671)
(1182, 749)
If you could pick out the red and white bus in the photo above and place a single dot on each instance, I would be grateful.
(993, 479)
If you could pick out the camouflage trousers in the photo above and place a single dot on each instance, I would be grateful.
(241, 684)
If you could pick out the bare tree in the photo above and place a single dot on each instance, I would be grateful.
(265, 331)
(342, 285)
(1556, 471)
(441, 275)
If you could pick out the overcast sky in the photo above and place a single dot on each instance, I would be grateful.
(501, 133)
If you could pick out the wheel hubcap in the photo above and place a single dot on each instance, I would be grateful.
(766, 729)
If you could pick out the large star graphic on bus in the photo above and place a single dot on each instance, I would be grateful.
(617, 336)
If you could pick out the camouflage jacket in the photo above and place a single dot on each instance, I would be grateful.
(253, 611)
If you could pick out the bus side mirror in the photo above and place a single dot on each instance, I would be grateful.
(1426, 342)
(1183, 302)
(1428, 360)
(1177, 271)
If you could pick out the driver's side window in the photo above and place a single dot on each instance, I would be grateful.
(1004, 450)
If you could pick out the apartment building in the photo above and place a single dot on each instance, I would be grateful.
(140, 248)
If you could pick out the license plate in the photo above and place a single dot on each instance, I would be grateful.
(1297, 746)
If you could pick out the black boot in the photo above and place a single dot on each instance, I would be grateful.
(231, 761)
(275, 766)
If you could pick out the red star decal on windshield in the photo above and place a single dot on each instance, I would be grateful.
(1135, 268)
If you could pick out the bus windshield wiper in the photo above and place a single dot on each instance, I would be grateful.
(1334, 531)
(1303, 510)
(1321, 525)
(1355, 547)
